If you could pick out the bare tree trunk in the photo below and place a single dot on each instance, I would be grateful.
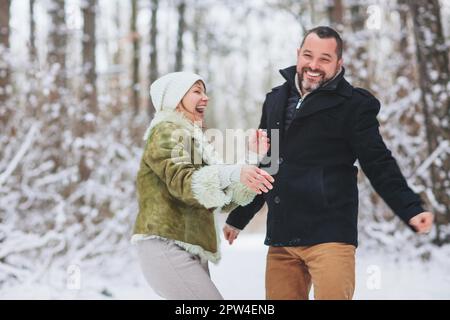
(153, 65)
(5, 85)
(359, 63)
(406, 75)
(336, 14)
(57, 46)
(196, 29)
(244, 89)
(434, 76)
(181, 30)
(56, 59)
(210, 117)
(89, 107)
(33, 52)
(403, 43)
(89, 64)
(116, 86)
(32, 96)
(313, 12)
(136, 52)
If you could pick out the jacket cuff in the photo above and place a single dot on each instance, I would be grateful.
(233, 220)
(234, 228)
(229, 174)
(241, 194)
(206, 188)
(409, 213)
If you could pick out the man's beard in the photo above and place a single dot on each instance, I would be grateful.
(309, 86)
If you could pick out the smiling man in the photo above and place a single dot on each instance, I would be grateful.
(316, 64)
(325, 125)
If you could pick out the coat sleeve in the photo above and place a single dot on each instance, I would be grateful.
(241, 216)
(241, 195)
(378, 163)
(194, 185)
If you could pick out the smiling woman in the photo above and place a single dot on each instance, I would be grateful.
(175, 229)
(195, 102)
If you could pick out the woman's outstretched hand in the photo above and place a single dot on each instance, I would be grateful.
(256, 179)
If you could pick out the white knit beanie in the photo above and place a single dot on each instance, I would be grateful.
(167, 91)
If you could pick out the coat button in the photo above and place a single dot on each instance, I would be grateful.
(280, 160)
(278, 123)
(276, 199)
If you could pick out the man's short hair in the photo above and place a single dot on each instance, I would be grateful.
(324, 32)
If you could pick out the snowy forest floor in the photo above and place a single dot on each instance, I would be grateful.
(240, 275)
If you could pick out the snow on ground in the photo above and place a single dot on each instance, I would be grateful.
(240, 275)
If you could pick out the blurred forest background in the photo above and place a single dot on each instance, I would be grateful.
(74, 104)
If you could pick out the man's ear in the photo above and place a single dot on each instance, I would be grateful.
(340, 63)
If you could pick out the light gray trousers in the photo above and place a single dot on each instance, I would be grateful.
(174, 273)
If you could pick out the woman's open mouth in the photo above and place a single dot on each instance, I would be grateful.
(200, 110)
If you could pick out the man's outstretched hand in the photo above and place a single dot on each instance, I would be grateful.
(259, 143)
(422, 222)
(230, 233)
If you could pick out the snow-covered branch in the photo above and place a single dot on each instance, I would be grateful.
(29, 138)
(443, 147)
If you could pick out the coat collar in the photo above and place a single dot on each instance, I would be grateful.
(331, 94)
(201, 145)
(337, 85)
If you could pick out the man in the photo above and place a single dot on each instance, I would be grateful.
(325, 125)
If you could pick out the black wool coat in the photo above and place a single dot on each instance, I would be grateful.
(315, 195)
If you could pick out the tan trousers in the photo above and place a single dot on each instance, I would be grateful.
(330, 267)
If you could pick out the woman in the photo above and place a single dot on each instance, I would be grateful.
(175, 231)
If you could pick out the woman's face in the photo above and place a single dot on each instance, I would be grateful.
(194, 103)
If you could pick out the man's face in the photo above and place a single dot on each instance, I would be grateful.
(317, 62)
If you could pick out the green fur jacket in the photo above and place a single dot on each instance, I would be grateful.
(179, 188)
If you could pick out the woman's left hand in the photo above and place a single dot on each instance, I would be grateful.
(256, 179)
